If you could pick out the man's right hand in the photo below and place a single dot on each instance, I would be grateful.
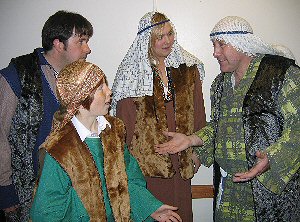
(178, 143)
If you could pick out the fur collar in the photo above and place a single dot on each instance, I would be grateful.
(76, 159)
(151, 110)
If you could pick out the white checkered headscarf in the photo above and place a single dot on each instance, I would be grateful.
(237, 32)
(134, 76)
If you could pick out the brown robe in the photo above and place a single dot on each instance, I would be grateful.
(172, 190)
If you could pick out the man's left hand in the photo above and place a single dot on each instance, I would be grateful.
(260, 167)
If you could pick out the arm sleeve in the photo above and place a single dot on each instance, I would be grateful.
(142, 202)
(126, 111)
(284, 154)
(55, 198)
(205, 152)
(8, 104)
(199, 109)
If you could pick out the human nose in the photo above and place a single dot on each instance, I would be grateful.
(167, 39)
(217, 51)
(108, 91)
(86, 49)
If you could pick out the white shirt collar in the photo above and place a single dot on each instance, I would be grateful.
(84, 132)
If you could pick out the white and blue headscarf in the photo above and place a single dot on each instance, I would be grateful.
(134, 76)
(237, 32)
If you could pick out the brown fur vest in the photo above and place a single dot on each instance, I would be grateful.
(76, 159)
(151, 121)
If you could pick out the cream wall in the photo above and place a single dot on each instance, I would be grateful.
(115, 23)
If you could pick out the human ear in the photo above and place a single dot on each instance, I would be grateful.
(58, 45)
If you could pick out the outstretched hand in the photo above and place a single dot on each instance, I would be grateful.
(166, 214)
(260, 167)
(178, 143)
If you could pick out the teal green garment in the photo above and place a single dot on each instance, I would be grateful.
(56, 199)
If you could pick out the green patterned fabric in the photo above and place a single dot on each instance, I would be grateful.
(285, 152)
(236, 202)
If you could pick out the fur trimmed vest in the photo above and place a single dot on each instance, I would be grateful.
(28, 87)
(75, 158)
(263, 124)
(259, 106)
(263, 120)
(151, 121)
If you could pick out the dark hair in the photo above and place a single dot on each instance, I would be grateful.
(61, 25)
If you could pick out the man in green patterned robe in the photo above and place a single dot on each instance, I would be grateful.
(254, 131)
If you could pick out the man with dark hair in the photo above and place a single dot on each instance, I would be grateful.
(28, 102)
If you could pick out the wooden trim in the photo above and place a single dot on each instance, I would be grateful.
(202, 191)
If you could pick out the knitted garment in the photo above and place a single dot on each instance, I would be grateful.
(134, 75)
